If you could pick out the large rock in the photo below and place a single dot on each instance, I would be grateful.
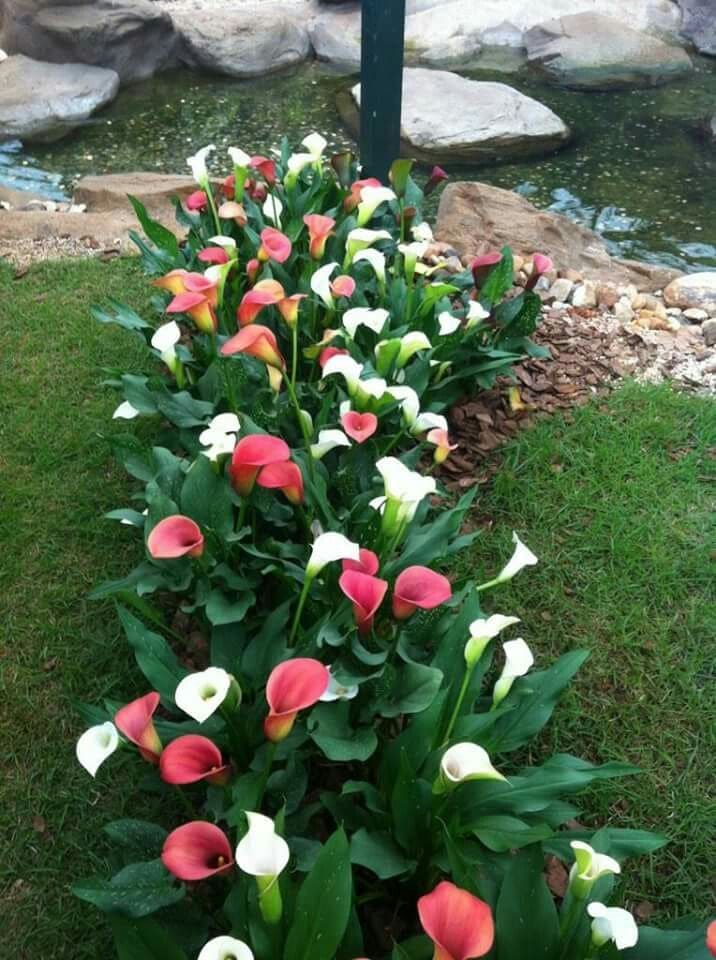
(451, 31)
(44, 101)
(693, 290)
(108, 192)
(699, 24)
(589, 51)
(447, 118)
(244, 39)
(132, 37)
(475, 218)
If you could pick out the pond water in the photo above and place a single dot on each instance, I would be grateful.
(637, 170)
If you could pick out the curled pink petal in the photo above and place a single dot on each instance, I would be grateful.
(213, 255)
(419, 587)
(459, 924)
(329, 352)
(197, 850)
(255, 341)
(366, 593)
(343, 286)
(482, 265)
(192, 758)
(320, 229)
(368, 562)
(359, 426)
(274, 245)
(175, 536)
(266, 293)
(286, 477)
(292, 686)
(250, 454)
(197, 200)
(135, 722)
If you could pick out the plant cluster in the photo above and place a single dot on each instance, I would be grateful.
(341, 736)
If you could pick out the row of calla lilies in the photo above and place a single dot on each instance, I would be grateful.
(344, 749)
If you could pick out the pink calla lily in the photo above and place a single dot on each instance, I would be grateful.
(359, 426)
(343, 286)
(293, 685)
(192, 758)
(286, 477)
(252, 269)
(540, 264)
(197, 200)
(135, 722)
(368, 562)
(266, 293)
(266, 167)
(419, 587)
(328, 352)
(196, 851)
(482, 265)
(459, 924)
(250, 455)
(320, 228)
(255, 341)
(213, 255)
(288, 308)
(437, 176)
(366, 593)
(197, 297)
(443, 447)
(175, 536)
(353, 199)
(274, 246)
(172, 281)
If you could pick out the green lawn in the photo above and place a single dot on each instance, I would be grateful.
(615, 504)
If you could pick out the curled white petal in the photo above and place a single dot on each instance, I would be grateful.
(225, 948)
(590, 865)
(321, 283)
(373, 388)
(489, 628)
(364, 317)
(429, 421)
(166, 337)
(272, 209)
(448, 324)
(328, 440)
(475, 313)
(347, 367)
(370, 199)
(315, 144)
(238, 157)
(226, 243)
(329, 547)
(522, 557)
(200, 694)
(423, 232)
(224, 423)
(261, 852)
(298, 161)
(467, 761)
(410, 344)
(378, 504)
(518, 658)
(95, 745)
(375, 258)
(125, 411)
(337, 691)
(409, 402)
(197, 163)
(361, 238)
(613, 923)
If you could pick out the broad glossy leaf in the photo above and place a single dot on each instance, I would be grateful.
(526, 916)
(143, 939)
(206, 498)
(330, 728)
(154, 656)
(502, 833)
(414, 689)
(139, 839)
(378, 852)
(154, 230)
(136, 891)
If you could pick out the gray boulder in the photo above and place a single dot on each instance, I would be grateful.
(44, 101)
(244, 39)
(447, 118)
(699, 24)
(589, 51)
(132, 37)
(693, 290)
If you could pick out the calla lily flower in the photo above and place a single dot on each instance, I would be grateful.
(329, 547)
(230, 210)
(239, 158)
(263, 854)
(135, 722)
(215, 255)
(198, 299)
(95, 745)
(328, 440)
(423, 232)
(460, 926)
(443, 447)
(266, 293)
(409, 403)
(359, 426)
(371, 389)
(540, 264)
(164, 340)
(274, 245)
(353, 199)
(448, 324)
(272, 210)
(366, 593)
(292, 686)
(412, 252)
(321, 284)
(328, 352)
(419, 588)
(343, 286)
(198, 200)
(220, 436)
(197, 163)
(370, 199)
(266, 167)
(404, 490)
(522, 557)
(367, 562)
(375, 320)
(612, 923)
(476, 313)
(320, 228)
(125, 411)
(464, 762)
(196, 851)
(201, 694)
(259, 342)
(190, 759)
(481, 632)
(286, 477)
(175, 536)
(376, 259)
(225, 948)
(518, 660)
(172, 281)
(482, 265)
(251, 454)
(349, 369)
(437, 176)
(410, 344)
(289, 307)
(588, 867)
(252, 269)
(338, 691)
(360, 239)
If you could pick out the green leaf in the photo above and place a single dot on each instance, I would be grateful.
(329, 726)
(119, 314)
(411, 805)
(500, 833)
(499, 280)
(616, 842)
(157, 233)
(206, 498)
(154, 656)
(133, 455)
(653, 944)
(143, 939)
(323, 904)
(415, 688)
(139, 839)
(378, 852)
(182, 409)
(220, 609)
(136, 891)
(526, 917)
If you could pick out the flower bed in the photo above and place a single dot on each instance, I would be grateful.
(347, 741)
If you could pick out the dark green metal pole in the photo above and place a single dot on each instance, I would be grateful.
(383, 39)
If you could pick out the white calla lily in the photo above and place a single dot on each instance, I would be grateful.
(315, 144)
(357, 317)
(371, 389)
(272, 209)
(410, 344)
(201, 694)
(376, 259)
(298, 162)
(164, 340)
(428, 421)
(197, 163)
(125, 411)
(370, 199)
(481, 632)
(423, 232)
(522, 557)
(409, 403)
(329, 547)
(467, 761)
(518, 660)
(612, 923)
(404, 490)
(328, 440)
(347, 367)
(262, 852)
(475, 314)
(225, 948)
(338, 691)
(412, 252)
(239, 158)
(588, 867)
(220, 436)
(226, 243)
(321, 284)
(448, 323)
(95, 745)
(360, 239)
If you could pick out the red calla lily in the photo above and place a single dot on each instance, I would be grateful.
(266, 293)
(135, 722)
(255, 341)
(366, 593)
(320, 229)
(266, 167)
(292, 686)
(192, 758)
(460, 925)
(711, 938)
(368, 563)
(437, 176)
(540, 264)
(482, 265)
(286, 477)
(252, 269)
(175, 536)
(419, 587)
(250, 455)
(197, 850)
(359, 426)
(197, 200)
(213, 255)
(329, 352)
(274, 246)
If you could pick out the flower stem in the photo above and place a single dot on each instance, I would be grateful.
(458, 704)
(301, 423)
(214, 213)
(392, 443)
(488, 586)
(294, 357)
(265, 774)
(299, 610)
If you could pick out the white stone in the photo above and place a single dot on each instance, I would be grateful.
(623, 310)
(696, 315)
(692, 290)
(560, 290)
(708, 328)
(585, 295)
